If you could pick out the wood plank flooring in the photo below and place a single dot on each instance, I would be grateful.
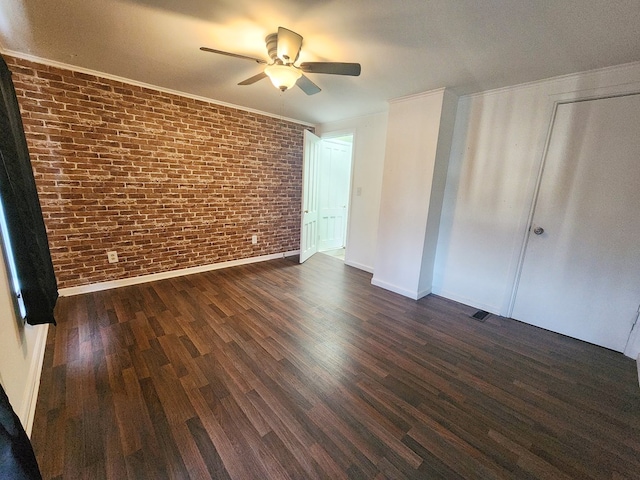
(284, 371)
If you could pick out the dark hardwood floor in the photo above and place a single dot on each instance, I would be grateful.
(278, 370)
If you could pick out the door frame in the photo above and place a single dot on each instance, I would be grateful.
(329, 135)
(633, 346)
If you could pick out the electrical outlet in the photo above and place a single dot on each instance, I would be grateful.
(112, 257)
(254, 239)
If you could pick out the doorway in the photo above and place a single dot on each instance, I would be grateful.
(334, 182)
(327, 187)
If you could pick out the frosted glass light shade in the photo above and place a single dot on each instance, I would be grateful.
(282, 76)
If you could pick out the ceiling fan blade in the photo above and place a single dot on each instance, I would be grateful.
(307, 86)
(332, 68)
(289, 44)
(254, 79)
(229, 54)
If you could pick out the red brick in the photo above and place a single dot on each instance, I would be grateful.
(168, 181)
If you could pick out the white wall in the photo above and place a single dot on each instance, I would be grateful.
(369, 136)
(21, 355)
(498, 144)
(412, 188)
(438, 183)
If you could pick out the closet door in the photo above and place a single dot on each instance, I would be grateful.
(581, 270)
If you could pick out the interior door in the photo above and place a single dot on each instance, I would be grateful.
(334, 181)
(309, 229)
(581, 270)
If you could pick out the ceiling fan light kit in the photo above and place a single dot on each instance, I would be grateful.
(283, 77)
(284, 49)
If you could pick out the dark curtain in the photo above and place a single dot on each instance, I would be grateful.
(27, 233)
(17, 460)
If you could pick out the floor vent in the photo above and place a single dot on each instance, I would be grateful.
(480, 315)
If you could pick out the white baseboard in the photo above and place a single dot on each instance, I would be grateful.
(28, 406)
(359, 266)
(413, 294)
(124, 282)
(467, 301)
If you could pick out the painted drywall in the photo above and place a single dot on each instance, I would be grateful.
(21, 354)
(497, 150)
(369, 138)
(438, 182)
(408, 187)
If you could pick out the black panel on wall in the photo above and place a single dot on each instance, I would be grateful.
(26, 229)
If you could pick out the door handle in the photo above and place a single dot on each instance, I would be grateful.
(538, 230)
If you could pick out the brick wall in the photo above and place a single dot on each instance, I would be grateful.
(167, 181)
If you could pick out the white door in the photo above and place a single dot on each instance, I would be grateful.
(334, 181)
(581, 270)
(309, 229)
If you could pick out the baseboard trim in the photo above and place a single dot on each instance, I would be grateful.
(413, 294)
(359, 266)
(125, 282)
(28, 410)
(467, 301)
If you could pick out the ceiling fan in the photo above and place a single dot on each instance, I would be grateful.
(283, 49)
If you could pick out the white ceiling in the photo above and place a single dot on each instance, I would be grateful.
(404, 46)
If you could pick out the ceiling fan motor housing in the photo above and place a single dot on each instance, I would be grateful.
(272, 46)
